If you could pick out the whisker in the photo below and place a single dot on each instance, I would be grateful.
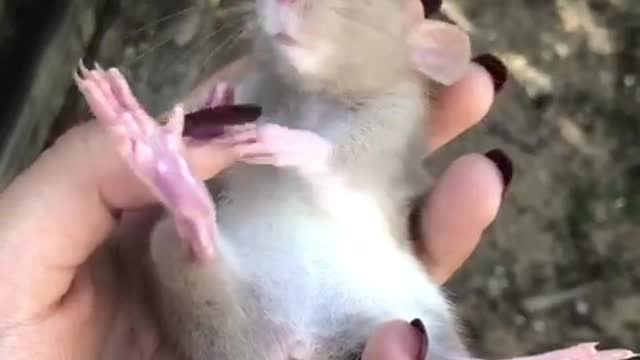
(234, 10)
(163, 20)
(149, 50)
(223, 45)
(218, 29)
(224, 26)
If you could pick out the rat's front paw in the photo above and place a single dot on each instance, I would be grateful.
(154, 153)
(222, 94)
(271, 144)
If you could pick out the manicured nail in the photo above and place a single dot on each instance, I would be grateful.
(431, 7)
(504, 165)
(210, 122)
(419, 325)
(496, 68)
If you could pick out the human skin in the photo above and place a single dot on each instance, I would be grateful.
(60, 299)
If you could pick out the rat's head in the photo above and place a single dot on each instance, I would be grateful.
(345, 46)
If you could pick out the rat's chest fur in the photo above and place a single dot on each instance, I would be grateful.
(311, 266)
(307, 240)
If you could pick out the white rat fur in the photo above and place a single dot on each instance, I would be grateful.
(309, 264)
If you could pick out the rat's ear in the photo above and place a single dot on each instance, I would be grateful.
(439, 50)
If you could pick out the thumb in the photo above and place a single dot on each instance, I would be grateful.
(397, 340)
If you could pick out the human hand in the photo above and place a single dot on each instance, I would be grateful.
(61, 298)
(462, 204)
(464, 201)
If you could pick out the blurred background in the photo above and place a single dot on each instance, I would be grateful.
(561, 263)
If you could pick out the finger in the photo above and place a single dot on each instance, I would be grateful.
(460, 106)
(463, 203)
(395, 340)
(55, 214)
(466, 102)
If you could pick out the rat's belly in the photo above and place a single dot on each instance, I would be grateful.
(298, 274)
(314, 267)
(312, 282)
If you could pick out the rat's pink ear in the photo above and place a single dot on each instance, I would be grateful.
(439, 50)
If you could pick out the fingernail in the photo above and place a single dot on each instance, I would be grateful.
(504, 165)
(496, 68)
(419, 325)
(210, 122)
(431, 6)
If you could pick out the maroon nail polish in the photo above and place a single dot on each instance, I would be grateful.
(504, 165)
(496, 68)
(210, 122)
(419, 326)
(431, 7)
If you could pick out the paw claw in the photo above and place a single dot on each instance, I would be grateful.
(78, 79)
(83, 69)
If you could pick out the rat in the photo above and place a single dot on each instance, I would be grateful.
(301, 248)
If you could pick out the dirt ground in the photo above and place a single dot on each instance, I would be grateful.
(560, 265)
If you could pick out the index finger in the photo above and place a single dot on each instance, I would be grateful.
(460, 106)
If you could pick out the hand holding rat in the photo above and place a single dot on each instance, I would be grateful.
(52, 304)
(58, 300)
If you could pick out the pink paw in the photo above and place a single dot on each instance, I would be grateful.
(271, 144)
(222, 94)
(585, 351)
(154, 153)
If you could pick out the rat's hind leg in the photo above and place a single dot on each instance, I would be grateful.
(155, 154)
(586, 351)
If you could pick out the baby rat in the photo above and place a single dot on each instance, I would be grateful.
(321, 201)
(307, 247)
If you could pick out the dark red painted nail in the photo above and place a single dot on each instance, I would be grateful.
(504, 165)
(419, 325)
(431, 7)
(496, 68)
(210, 122)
